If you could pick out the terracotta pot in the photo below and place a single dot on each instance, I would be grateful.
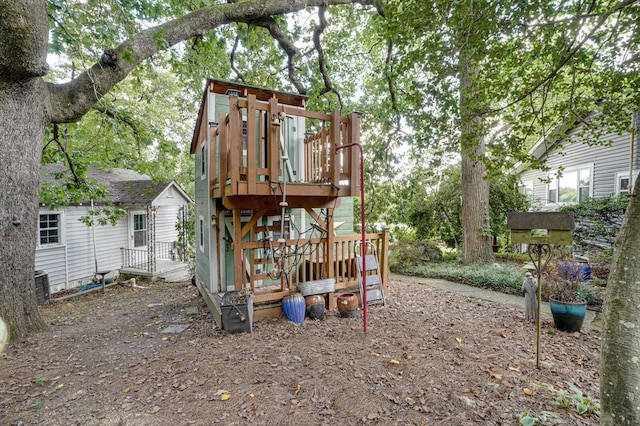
(348, 305)
(315, 299)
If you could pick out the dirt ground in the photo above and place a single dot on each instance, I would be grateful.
(429, 357)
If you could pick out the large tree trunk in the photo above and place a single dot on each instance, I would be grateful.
(476, 243)
(620, 356)
(22, 108)
(24, 114)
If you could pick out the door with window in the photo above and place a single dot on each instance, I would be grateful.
(138, 230)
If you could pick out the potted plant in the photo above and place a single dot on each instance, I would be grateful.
(564, 285)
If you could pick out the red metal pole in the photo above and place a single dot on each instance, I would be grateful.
(363, 247)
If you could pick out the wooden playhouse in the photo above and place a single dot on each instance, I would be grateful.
(273, 198)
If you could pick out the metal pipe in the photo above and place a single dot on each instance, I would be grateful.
(363, 246)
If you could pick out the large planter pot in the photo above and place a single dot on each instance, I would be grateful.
(293, 307)
(348, 305)
(568, 316)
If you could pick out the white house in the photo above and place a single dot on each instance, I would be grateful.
(143, 242)
(580, 167)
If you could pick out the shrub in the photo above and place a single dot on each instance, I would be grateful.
(505, 279)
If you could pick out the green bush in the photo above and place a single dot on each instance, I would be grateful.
(505, 279)
(597, 223)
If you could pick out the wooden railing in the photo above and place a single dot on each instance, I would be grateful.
(249, 143)
(299, 261)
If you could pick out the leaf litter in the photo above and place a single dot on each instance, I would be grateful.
(406, 369)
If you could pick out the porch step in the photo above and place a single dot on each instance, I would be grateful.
(175, 276)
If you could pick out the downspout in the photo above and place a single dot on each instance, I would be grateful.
(635, 126)
(66, 267)
(95, 254)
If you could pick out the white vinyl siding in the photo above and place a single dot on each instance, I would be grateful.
(76, 257)
(607, 160)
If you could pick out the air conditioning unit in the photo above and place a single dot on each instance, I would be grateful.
(42, 286)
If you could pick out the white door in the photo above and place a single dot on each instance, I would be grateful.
(138, 236)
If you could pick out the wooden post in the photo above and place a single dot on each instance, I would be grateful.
(213, 131)
(235, 143)
(384, 259)
(334, 141)
(353, 159)
(273, 141)
(238, 264)
(330, 255)
(222, 154)
(251, 144)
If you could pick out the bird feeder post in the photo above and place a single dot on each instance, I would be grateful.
(540, 231)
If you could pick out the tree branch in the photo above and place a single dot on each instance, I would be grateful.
(317, 32)
(70, 101)
(568, 56)
(287, 45)
(232, 57)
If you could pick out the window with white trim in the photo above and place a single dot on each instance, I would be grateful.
(201, 232)
(50, 229)
(571, 186)
(623, 182)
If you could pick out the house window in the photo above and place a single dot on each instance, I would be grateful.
(49, 229)
(526, 188)
(139, 230)
(572, 186)
(201, 233)
(623, 182)
(203, 164)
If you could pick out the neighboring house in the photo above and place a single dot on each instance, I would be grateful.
(586, 169)
(143, 242)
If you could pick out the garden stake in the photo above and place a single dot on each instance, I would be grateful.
(542, 253)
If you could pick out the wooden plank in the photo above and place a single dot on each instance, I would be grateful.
(334, 167)
(260, 314)
(221, 87)
(540, 220)
(553, 237)
(330, 247)
(247, 227)
(316, 217)
(251, 144)
(235, 143)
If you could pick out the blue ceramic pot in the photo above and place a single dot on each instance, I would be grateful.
(294, 307)
(568, 316)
